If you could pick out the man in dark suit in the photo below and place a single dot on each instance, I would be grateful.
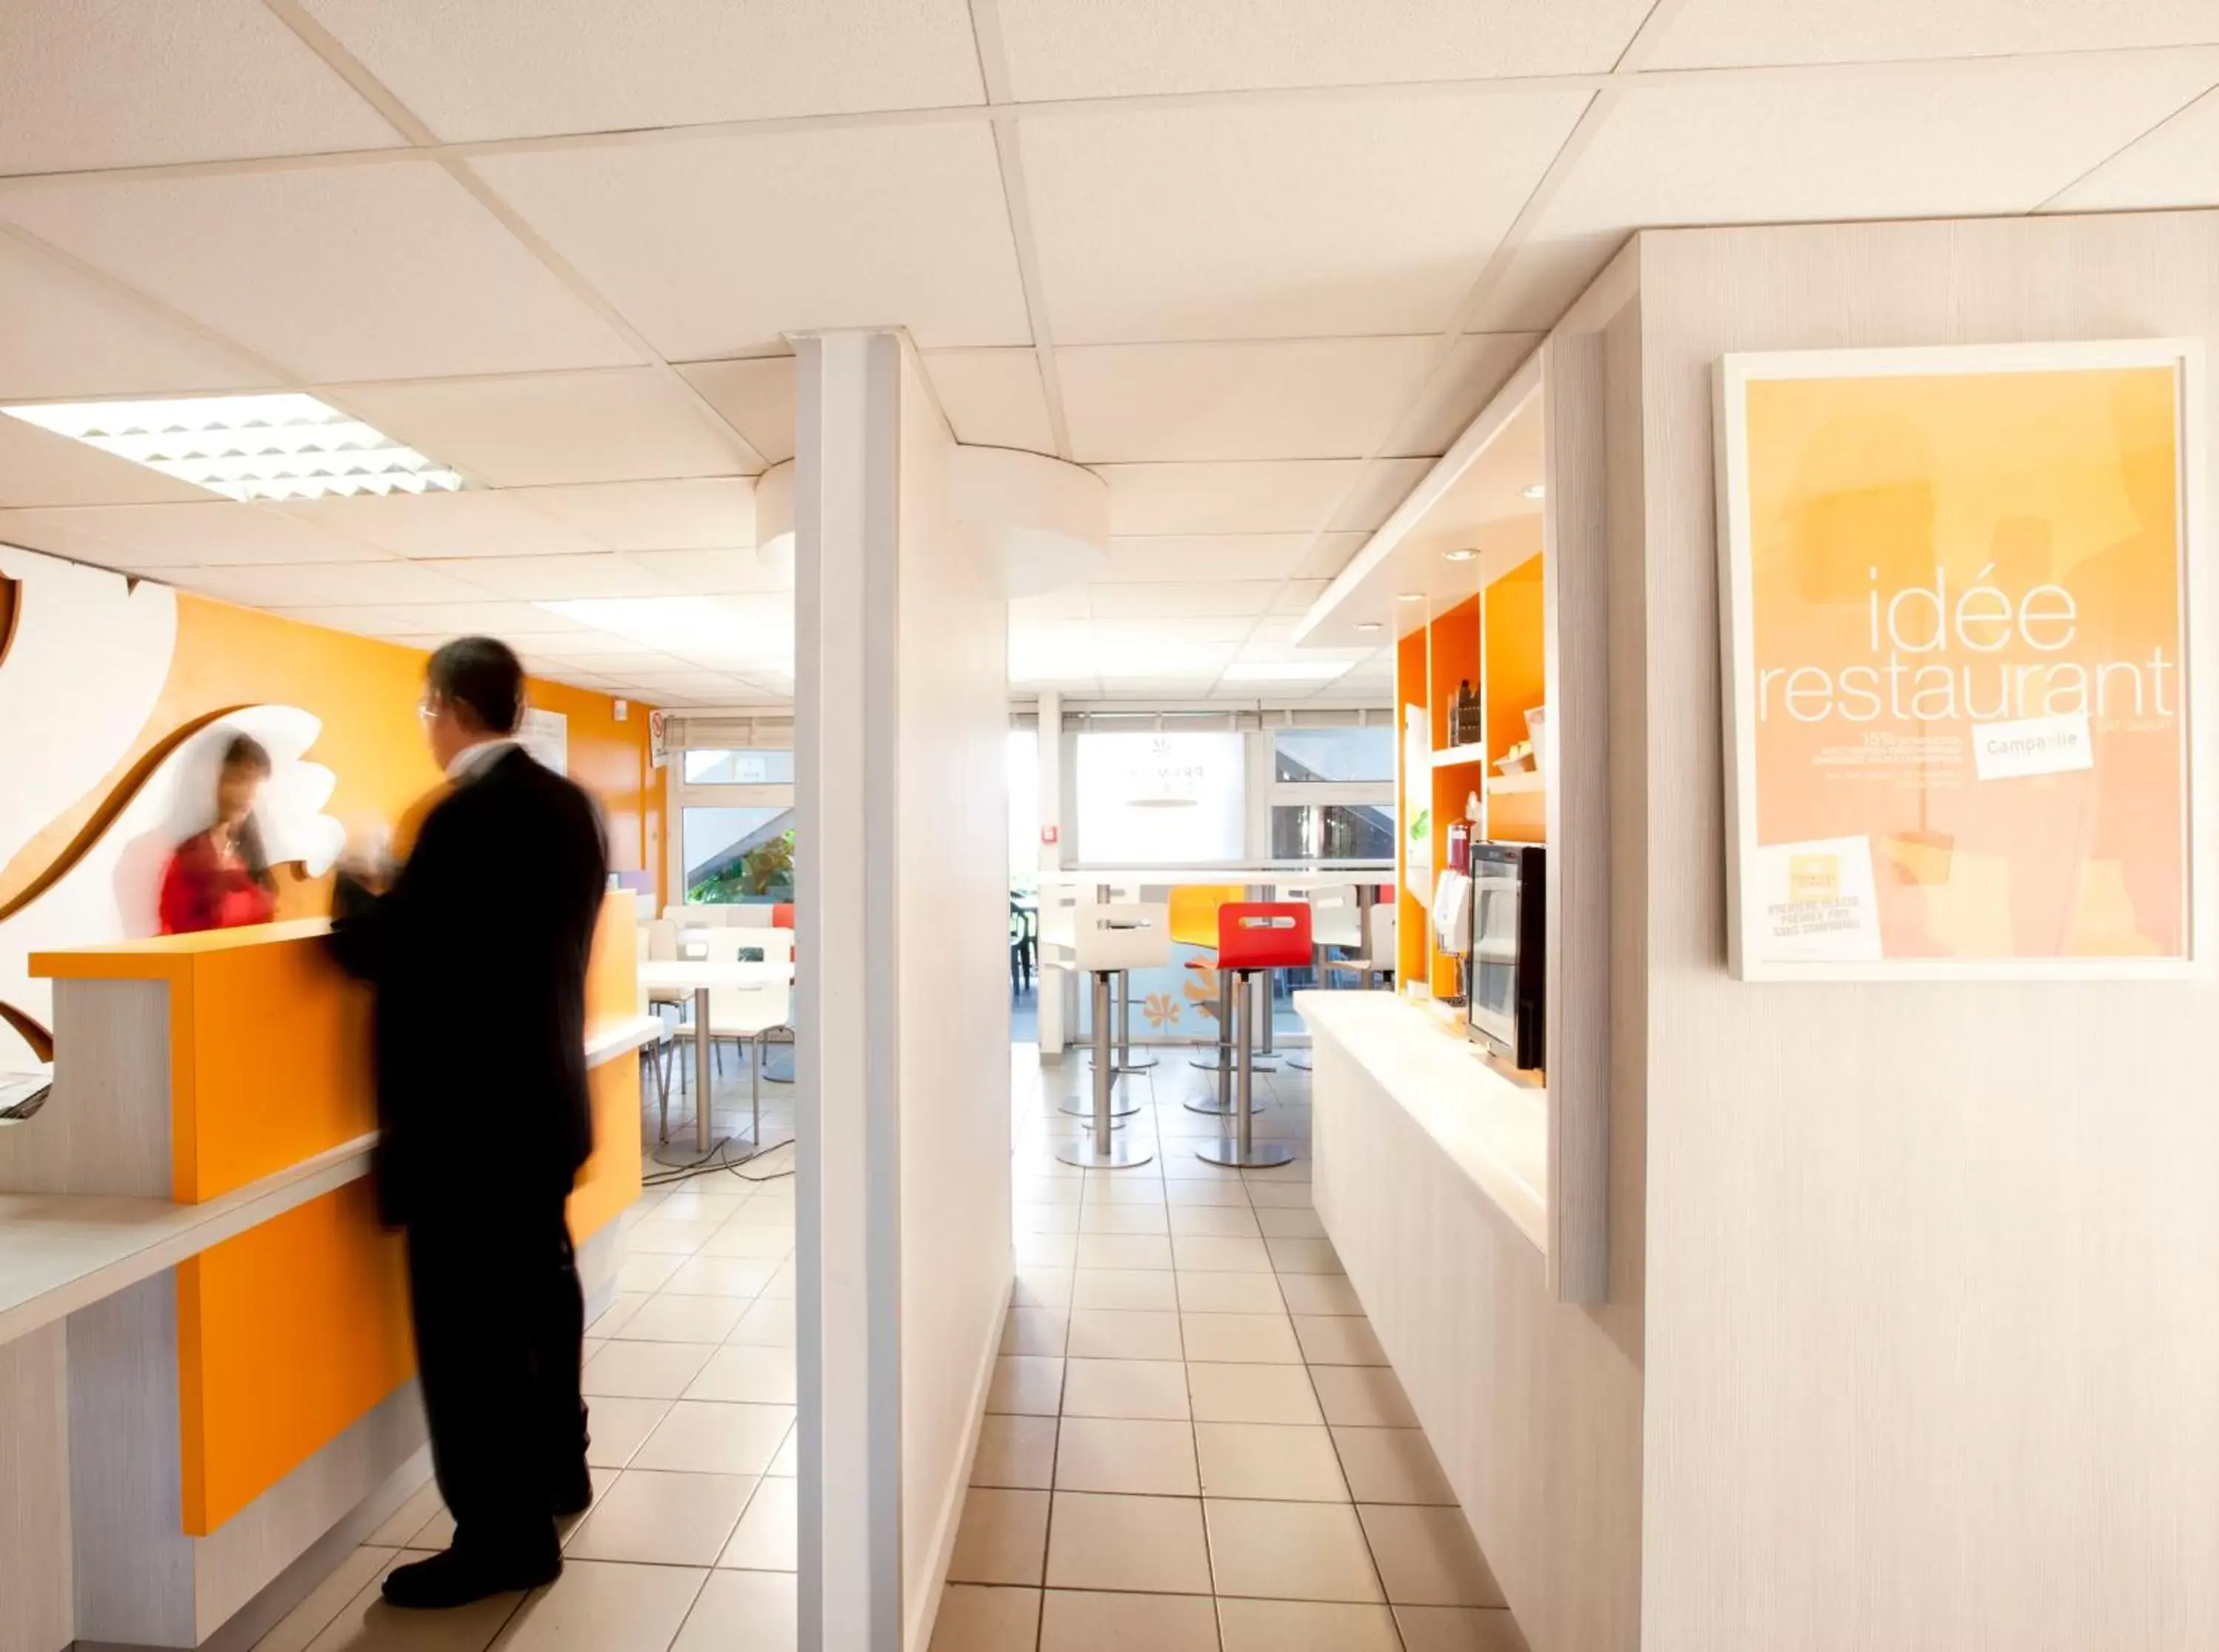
(478, 949)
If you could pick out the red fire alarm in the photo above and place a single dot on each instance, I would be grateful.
(1048, 834)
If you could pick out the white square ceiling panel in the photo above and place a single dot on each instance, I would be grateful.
(1082, 48)
(2176, 166)
(1282, 496)
(385, 271)
(1285, 399)
(627, 424)
(91, 83)
(992, 398)
(1706, 33)
(510, 68)
(321, 584)
(721, 245)
(1917, 140)
(472, 524)
(755, 397)
(701, 514)
(219, 533)
(713, 573)
(1458, 392)
(92, 342)
(1138, 559)
(38, 466)
(1384, 484)
(1345, 216)
(553, 579)
(1210, 597)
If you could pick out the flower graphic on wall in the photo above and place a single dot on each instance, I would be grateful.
(1201, 990)
(1162, 1010)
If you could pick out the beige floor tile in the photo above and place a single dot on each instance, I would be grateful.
(619, 1427)
(611, 1319)
(644, 1275)
(1147, 1289)
(1042, 1288)
(1015, 1452)
(1216, 1221)
(769, 1538)
(658, 1235)
(1123, 1333)
(663, 1518)
(973, 1618)
(1392, 1465)
(1003, 1538)
(763, 1376)
(1203, 1253)
(1271, 1461)
(1149, 1545)
(1125, 1387)
(1044, 1219)
(1048, 1189)
(742, 1611)
(1361, 1396)
(1130, 1217)
(322, 1605)
(1428, 1557)
(1083, 1621)
(409, 1518)
(596, 1606)
(1123, 1188)
(700, 1436)
(1046, 1250)
(787, 1463)
(1125, 1454)
(1027, 1384)
(1459, 1629)
(1305, 1626)
(740, 1238)
(1286, 1195)
(1240, 1338)
(1252, 1394)
(1038, 1331)
(1229, 1293)
(1339, 1339)
(769, 1323)
(723, 1276)
(1304, 1256)
(366, 1624)
(1289, 1222)
(1290, 1551)
(670, 1317)
(1222, 1192)
(645, 1370)
(1124, 1251)
(1319, 1293)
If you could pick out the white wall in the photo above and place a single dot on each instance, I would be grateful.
(1933, 1270)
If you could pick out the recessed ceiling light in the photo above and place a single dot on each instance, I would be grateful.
(1410, 596)
(283, 446)
(1464, 555)
(1284, 671)
(1535, 490)
(1368, 625)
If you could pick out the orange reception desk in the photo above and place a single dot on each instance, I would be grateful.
(193, 1259)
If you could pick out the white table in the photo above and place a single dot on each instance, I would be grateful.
(668, 978)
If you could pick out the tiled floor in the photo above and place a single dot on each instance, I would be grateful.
(1195, 1442)
(689, 1373)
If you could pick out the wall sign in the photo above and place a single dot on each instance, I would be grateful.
(546, 735)
(1962, 630)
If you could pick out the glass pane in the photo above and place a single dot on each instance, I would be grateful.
(1332, 831)
(1160, 799)
(711, 767)
(1336, 756)
(735, 856)
(1023, 768)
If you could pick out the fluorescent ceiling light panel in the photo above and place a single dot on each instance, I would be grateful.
(1284, 671)
(281, 446)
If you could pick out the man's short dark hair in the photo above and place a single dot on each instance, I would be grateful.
(482, 678)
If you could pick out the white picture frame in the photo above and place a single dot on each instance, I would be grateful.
(1749, 956)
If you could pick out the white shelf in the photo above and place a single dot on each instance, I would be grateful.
(1456, 755)
(1505, 785)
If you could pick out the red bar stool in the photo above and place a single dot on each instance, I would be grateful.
(1253, 938)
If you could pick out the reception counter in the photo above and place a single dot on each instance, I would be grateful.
(206, 1370)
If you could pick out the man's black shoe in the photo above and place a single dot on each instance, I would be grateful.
(456, 1579)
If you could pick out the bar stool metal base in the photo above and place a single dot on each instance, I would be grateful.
(1213, 1065)
(1216, 1110)
(1118, 1153)
(1121, 1107)
(1261, 1155)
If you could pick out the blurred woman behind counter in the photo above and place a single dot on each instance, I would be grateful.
(220, 878)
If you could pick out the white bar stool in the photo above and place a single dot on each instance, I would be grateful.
(1105, 939)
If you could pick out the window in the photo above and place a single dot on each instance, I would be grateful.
(1332, 793)
(737, 855)
(1159, 798)
(718, 766)
(731, 803)
(1332, 831)
(1334, 756)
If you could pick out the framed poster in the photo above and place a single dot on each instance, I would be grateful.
(546, 735)
(1962, 622)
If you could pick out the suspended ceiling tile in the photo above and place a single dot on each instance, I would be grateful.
(992, 398)
(1917, 140)
(630, 662)
(476, 523)
(754, 396)
(1198, 596)
(2176, 166)
(362, 620)
(1478, 366)
(1329, 553)
(559, 578)
(706, 686)
(1297, 596)
(696, 513)
(40, 468)
(91, 343)
(1204, 556)
(388, 271)
(579, 648)
(1384, 484)
(1053, 605)
(317, 585)
(1347, 216)
(1174, 627)
(1708, 34)
(624, 425)
(509, 68)
(1081, 48)
(1281, 399)
(1282, 496)
(722, 245)
(711, 572)
(215, 533)
(88, 83)
(1539, 281)
(485, 616)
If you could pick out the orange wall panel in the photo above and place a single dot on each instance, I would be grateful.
(609, 1182)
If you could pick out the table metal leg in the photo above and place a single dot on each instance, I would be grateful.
(1239, 1147)
(702, 1060)
(1103, 1149)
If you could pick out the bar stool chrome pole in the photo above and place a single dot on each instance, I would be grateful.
(1106, 939)
(1125, 1061)
(1253, 938)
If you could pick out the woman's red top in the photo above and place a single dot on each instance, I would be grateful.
(207, 887)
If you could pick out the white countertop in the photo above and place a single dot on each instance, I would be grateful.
(1496, 1129)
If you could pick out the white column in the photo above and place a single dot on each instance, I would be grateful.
(1050, 982)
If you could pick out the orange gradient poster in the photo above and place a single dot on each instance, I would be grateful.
(1956, 589)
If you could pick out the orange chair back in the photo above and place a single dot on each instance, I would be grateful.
(1194, 911)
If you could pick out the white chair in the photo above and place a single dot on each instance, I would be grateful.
(750, 915)
(659, 940)
(1379, 957)
(745, 1015)
(1335, 919)
(1108, 940)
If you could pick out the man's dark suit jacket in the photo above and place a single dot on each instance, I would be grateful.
(478, 954)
